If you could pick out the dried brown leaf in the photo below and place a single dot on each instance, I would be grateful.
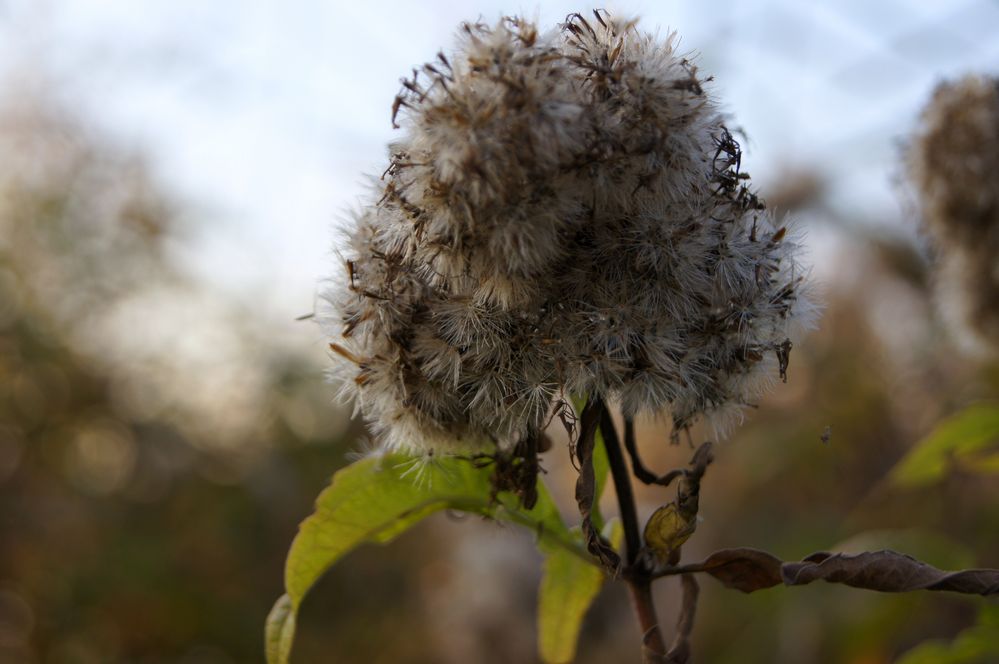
(887, 571)
(586, 486)
(743, 569)
(884, 571)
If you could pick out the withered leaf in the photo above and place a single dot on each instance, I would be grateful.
(667, 529)
(586, 487)
(744, 569)
(884, 571)
(887, 571)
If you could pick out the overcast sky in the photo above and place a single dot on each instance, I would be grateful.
(266, 114)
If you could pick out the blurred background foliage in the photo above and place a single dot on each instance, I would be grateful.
(153, 443)
(160, 440)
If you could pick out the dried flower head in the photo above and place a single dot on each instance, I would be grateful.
(565, 213)
(954, 165)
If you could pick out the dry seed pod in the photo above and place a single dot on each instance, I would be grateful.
(954, 165)
(566, 212)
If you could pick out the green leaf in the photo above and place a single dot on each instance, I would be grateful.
(544, 520)
(984, 465)
(279, 631)
(568, 587)
(614, 532)
(376, 499)
(957, 439)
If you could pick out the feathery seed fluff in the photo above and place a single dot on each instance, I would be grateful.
(564, 213)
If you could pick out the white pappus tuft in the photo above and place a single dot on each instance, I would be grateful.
(565, 213)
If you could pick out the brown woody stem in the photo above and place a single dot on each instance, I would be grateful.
(635, 574)
(622, 486)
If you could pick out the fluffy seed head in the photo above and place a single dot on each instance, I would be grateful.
(564, 213)
(954, 165)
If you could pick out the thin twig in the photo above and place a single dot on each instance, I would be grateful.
(653, 646)
(639, 469)
(673, 570)
(679, 652)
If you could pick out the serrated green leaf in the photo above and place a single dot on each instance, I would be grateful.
(375, 500)
(279, 632)
(958, 438)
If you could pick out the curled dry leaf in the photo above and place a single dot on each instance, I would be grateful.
(666, 531)
(743, 569)
(749, 570)
(586, 487)
(888, 571)
(672, 524)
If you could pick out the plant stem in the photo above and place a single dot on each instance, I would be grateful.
(636, 575)
(643, 474)
(622, 486)
(653, 646)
